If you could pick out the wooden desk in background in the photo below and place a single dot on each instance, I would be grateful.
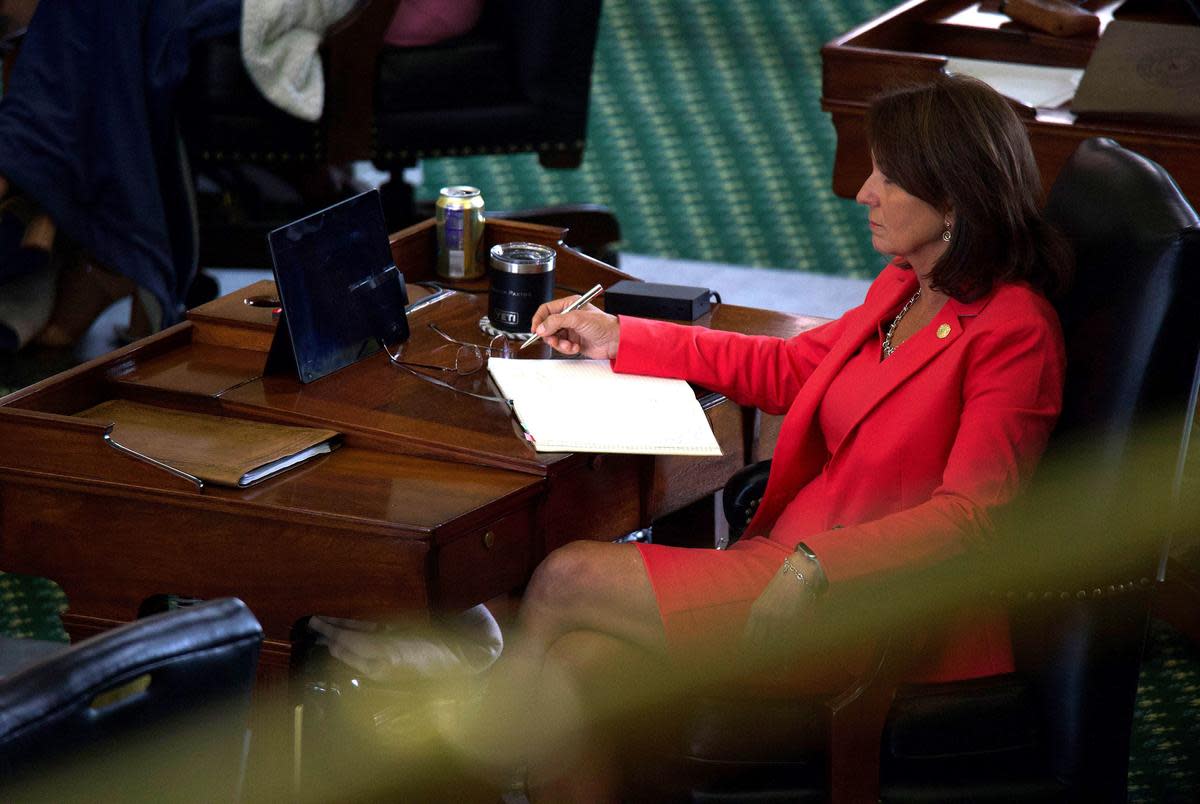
(912, 42)
(434, 501)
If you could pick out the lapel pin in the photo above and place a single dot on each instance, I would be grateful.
(943, 331)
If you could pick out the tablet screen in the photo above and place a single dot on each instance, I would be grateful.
(340, 291)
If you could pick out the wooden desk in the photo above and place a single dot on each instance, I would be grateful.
(433, 501)
(912, 42)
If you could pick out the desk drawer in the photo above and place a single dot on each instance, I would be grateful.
(110, 551)
(485, 562)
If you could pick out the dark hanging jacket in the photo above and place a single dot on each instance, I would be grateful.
(87, 130)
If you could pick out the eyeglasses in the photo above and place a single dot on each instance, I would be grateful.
(470, 358)
(499, 346)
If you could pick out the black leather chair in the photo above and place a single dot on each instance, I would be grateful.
(519, 82)
(1088, 539)
(153, 709)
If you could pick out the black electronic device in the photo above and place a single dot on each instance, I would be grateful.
(340, 291)
(654, 300)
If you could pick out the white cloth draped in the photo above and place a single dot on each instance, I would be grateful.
(457, 646)
(280, 48)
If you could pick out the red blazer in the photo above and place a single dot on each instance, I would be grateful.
(952, 425)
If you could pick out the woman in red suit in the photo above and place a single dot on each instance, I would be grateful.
(907, 422)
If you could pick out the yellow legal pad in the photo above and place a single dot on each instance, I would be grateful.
(217, 449)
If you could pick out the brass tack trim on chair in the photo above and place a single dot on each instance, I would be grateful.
(750, 509)
(1112, 590)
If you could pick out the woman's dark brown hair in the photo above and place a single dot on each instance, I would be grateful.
(957, 145)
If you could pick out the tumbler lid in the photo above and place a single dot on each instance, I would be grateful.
(522, 258)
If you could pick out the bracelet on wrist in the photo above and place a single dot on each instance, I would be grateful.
(805, 577)
(791, 569)
(813, 575)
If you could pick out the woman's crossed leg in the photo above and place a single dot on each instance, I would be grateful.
(589, 653)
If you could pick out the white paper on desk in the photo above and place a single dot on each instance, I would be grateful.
(1032, 84)
(584, 406)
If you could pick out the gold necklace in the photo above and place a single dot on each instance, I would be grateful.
(887, 339)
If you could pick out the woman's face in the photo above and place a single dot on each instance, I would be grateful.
(902, 225)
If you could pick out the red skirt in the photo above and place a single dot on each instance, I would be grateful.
(704, 596)
(704, 599)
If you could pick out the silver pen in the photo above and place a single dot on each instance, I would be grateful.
(575, 305)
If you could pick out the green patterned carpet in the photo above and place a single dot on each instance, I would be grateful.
(707, 139)
(29, 607)
(1165, 755)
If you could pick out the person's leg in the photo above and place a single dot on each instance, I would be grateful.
(591, 586)
(589, 604)
(600, 705)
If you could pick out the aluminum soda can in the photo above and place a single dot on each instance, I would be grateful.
(460, 233)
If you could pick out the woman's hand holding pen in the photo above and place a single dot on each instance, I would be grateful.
(588, 331)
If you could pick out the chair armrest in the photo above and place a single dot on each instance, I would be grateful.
(351, 55)
(200, 656)
(741, 495)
